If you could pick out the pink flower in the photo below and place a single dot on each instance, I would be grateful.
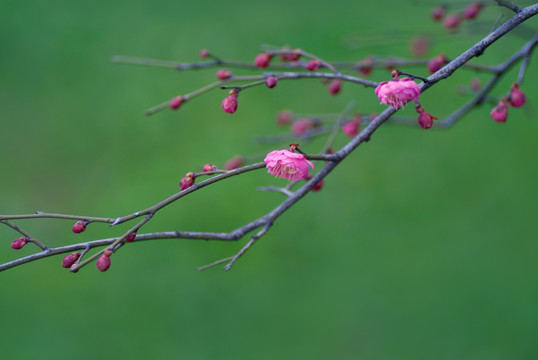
(287, 165)
(351, 128)
(517, 97)
(397, 92)
(500, 112)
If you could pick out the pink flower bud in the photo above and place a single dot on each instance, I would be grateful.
(234, 163)
(204, 53)
(419, 46)
(475, 84)
(451, 22)
(187, 181)
(397, 92)
(209, 168)
(284, 117)
(424, 119)
(271, 82)
(79, 226)
(229, 104)
(438, 13)
(19, 243)
(288, 165)
(262, 60)
(131, 237)
(301, 126)
(176, 102)
(472, 10)
(313, 65)
(517, 98)
(70, 259)
(103, 263)
(335, 86)
(436, 63)
(500, 112)
(224, 74)
(351, 128)
(318, 186)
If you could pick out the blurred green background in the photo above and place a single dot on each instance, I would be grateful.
(422, 244)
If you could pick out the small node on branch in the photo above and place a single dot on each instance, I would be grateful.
(263, 60)
(500, 112)
(517, 97)
(224, 74)
(19, 243)
(425, 120)
(176, 102)
(70, 259)
(103, 263)
(80, 226)
(271, 82)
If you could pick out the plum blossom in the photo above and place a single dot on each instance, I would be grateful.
(397, 92)
(288, 165)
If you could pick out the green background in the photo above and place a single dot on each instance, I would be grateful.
(422, 244)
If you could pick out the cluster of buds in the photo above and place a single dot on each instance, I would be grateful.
(516, 98)
(452, 21)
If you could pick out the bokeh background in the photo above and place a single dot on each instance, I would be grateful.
(422, 244)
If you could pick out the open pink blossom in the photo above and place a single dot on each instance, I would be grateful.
(397, 92)
(287, 165)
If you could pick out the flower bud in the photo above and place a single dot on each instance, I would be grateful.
(284, 117)
(131, 237)
(204, 54)
(451, 22)
(262, 60)
(313, 65)
(209, 168)
(224, 74)
(436, 63)
(19, 243)
(70, 259)
(438, 13)
(425, 120)
(472, 10)
(475, 84)
(234, 162)
(419, 46)
(229, 104)
(300, 126)
(103, 263)
(80, 226)
(500, 112)
(176, 102)
(318, 186)
(271, 82)
(351, 128)
(517, 97)
(335, 86)
(187, 181)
